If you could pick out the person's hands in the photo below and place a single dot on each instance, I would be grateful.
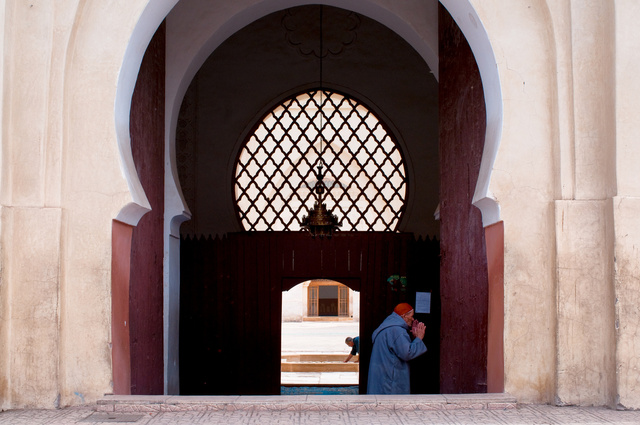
(418, 329)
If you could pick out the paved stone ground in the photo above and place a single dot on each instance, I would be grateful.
(523, 414)
(318, 338)
(325, 339)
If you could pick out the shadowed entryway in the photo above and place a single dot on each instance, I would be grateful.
(232, 294)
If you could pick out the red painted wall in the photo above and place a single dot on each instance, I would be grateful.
(463, 278)
(120, 275)
(494, 235)
(146, 285)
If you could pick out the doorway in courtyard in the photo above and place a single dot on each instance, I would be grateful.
(317, 318)
(327, 300)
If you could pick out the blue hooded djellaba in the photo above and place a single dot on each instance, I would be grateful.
(392, 350)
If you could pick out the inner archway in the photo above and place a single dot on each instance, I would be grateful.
(318, 316)
(374, 131)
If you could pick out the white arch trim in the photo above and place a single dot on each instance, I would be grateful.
(471, 25)
(150, 19)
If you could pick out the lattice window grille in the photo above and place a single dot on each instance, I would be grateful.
(364, 170)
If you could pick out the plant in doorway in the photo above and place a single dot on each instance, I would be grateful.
(397, 282)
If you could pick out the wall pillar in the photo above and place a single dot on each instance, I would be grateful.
(585, 338)
(627, 300)
(30, 311)
(585, 353)
(626, 204)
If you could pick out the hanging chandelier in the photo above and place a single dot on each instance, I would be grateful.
(320, 221)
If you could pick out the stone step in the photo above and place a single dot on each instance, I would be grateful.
(301, 357)
(327, 319)
(300, 362)
(319, 367)
(414, 402)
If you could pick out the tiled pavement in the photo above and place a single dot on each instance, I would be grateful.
(522, 414)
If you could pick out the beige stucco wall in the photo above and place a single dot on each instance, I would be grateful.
(627, 300)
(523, 184)
(93, 192)
(565, 178)
(586, 337)
(567, 150)
(62, 185)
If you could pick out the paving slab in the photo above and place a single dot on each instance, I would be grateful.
(360, 413)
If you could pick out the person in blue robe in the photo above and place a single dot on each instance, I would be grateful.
(392, 350)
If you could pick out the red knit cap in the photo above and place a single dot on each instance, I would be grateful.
(402, 309)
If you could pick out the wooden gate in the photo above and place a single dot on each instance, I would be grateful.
(231, 296)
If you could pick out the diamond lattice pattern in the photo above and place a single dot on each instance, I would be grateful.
(363, 168)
